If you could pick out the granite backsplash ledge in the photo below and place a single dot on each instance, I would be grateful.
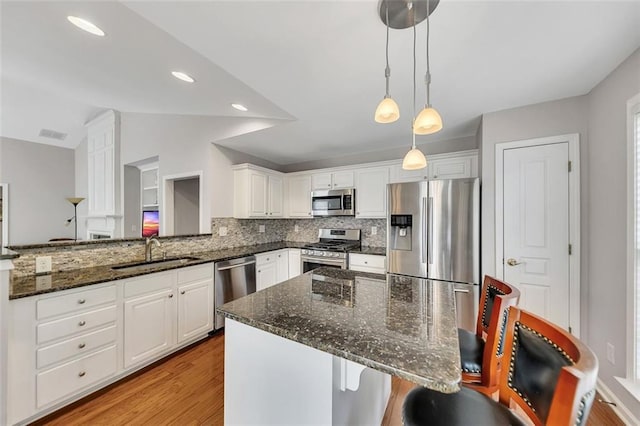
(239, 232)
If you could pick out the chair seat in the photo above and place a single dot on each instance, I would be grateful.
(471, 350)
(424, 406)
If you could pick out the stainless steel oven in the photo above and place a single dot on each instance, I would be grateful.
(331, 249)
(334, 202)
(311, 261)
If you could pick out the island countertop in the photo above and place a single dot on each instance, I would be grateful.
(399, 325)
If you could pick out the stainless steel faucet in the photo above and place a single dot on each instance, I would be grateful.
(147, 247)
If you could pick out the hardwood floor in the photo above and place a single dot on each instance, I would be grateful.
(188, 389)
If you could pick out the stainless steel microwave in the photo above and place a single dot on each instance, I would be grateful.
(334, 202)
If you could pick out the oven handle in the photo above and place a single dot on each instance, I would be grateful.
(323, 260)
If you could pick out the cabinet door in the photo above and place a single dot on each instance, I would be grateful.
(321, 181)
(300, 196)
(266, 275)
(195, 309)
(148, 326)
(371, 192)
(282, 268)
(294, 263)
(398, 174)
(451, 168)
(343, 179)
(257, 194)
(275, 196)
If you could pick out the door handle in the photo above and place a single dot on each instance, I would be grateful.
(512, 262)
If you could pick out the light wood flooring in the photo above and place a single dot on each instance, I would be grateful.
(188, 389)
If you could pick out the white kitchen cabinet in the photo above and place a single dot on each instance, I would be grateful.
(149, 319)
(149, 187)
(266, 270)
(333, 180)
(367, 263)
(282, 266)
(300, 196)
(103, 147)
(371, 192)
(258, 192)
(439, 166)
(195, 301)
(294, 262)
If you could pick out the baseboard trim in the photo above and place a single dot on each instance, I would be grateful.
(620, 409)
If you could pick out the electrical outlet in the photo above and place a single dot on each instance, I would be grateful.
(43, 264)
(374, 230)
(611, 353)
(222, 231)
(43, 282)
(260, 228)
(296, 228)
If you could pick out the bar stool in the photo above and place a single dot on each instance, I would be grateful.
(549, 378)
(481, 353)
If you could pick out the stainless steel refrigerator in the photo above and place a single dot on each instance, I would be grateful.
(433, 232)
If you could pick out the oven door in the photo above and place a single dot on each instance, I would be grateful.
(309, 263)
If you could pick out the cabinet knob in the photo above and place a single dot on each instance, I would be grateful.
(182, 292)
(81, 374)
(267, 258)
(82, 323)
(81, 301)
(81, 346)
(259, 271)
(171, 296)
(366, 263)
(309, 213)
(329, 185)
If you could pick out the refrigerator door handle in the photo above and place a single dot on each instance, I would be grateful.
(430, 231)
(424, 229)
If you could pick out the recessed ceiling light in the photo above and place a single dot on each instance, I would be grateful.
(240, 107)
(83, 24)
(182, 76)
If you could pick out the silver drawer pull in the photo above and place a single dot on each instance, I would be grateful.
(182, 292)
(81, 345)
(458, 290)
(171, 295)
(81, 374)
(81, 301)
(366, 263)
(82, 323)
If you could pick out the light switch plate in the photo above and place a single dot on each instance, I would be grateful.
(222, 231)
(260, 228)
(296, 228)
(43, 264)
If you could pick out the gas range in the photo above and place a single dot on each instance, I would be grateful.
(331, 249)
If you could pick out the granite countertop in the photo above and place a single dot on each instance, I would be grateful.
(399, 325)
(378, 251)
(5, 253)
(32, 285)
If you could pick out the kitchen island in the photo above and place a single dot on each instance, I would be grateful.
(320, 348)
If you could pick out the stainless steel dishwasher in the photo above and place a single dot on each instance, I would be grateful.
(234, 278)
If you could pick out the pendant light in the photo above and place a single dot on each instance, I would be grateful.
(387, 110)
(414, 159)
(429, 120)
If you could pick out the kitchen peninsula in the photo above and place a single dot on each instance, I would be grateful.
(320, 348)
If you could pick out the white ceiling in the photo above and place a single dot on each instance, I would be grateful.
(312, 72)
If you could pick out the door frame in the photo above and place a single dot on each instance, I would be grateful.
(573, 140)
(167, 228)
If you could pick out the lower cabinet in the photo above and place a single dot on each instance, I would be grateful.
(367, 263)
(273, 268)
(295, 265)
(67, 344)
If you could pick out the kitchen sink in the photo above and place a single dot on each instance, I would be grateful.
(161, 263)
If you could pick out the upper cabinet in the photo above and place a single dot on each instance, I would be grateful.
(334, 180)
(300, 196)
(103, 146)
(258, 192)
(371, 192)
(149, 187)
(441, 166)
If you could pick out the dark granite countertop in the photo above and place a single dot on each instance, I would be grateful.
(32, 285)
(377, 251)
(398, 325)
(5, 253)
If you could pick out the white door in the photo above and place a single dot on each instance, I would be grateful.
(536, 228)
(195, 309)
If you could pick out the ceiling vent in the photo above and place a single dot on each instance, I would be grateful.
(52, 134)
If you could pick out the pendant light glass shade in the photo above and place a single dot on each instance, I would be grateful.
(427, 122)
(414, 160)
(387, 111)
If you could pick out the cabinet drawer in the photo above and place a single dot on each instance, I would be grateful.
(195, 273)
(75, 324)
(75, 346)
(64, 380)
(367, 260)
(264, 258)
(74, 302)
(149, 284)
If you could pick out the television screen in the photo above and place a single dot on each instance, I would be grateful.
(150, 223)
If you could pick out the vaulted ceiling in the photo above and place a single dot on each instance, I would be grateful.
(310, 72)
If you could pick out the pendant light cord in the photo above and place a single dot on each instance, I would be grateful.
(413, 104)
(387, 70)
(427, 77)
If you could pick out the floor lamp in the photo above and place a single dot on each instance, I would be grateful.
(75, 201)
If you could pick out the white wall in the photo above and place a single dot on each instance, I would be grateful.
(82, 185)
(186, 200)
(607, 232)
(40, 178)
